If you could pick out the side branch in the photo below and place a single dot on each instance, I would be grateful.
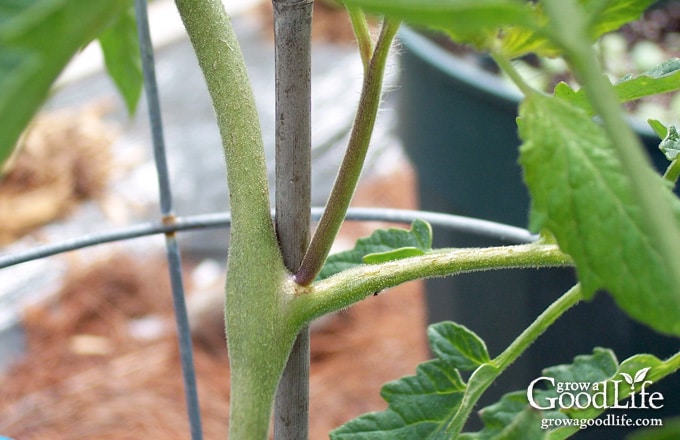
(353, 162)
(362, 33)
(353, 285)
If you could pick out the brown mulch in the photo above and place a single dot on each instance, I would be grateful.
(61, 160)
(85, 376)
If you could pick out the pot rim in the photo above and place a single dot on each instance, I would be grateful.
(478, 78)
(456, 67)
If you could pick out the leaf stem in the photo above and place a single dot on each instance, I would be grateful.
(509, 355)
(349, 172)
(540, 325)
(673, 171)
(364, 41)
(352, 285)
(507, 67)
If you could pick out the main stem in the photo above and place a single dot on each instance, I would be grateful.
(259, 339)
(292, 35)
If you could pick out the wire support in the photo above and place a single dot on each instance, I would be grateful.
(483, 228)
(165, 195)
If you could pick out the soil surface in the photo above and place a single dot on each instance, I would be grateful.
(90, 372)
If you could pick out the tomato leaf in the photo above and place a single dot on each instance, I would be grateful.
(663, 78)
(381, 246)
(660, 129)
(580, 194)
(37, 39)
(455, 343)
(468, 21)
(120, 45)
(605, 16)
(425, 406)
(512, 414)
(670, 145)
(608, 16)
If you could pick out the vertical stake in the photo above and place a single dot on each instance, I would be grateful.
(292, 34)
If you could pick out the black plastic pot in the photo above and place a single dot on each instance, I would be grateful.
(457, 124)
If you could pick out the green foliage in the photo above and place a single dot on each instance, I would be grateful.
(382, 246)
(428, 405)
(658, 128)
(469, 21)
(456, 344)
(37, 39)
(120, 45)
(670, 144)
(663, 78)
(603, 17)
(512, 418)
(599, 366)
(424, 405)
(607, 16)
(580, 193)
(525, 27)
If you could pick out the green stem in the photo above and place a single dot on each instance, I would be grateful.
(538, 327)
(673, 171)
(672, 365)
(352, 285)
(364, 41)
(507, 67)
(487, 374)
(568, 29)
(221, 61)
(259, 340)
(349, 172)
